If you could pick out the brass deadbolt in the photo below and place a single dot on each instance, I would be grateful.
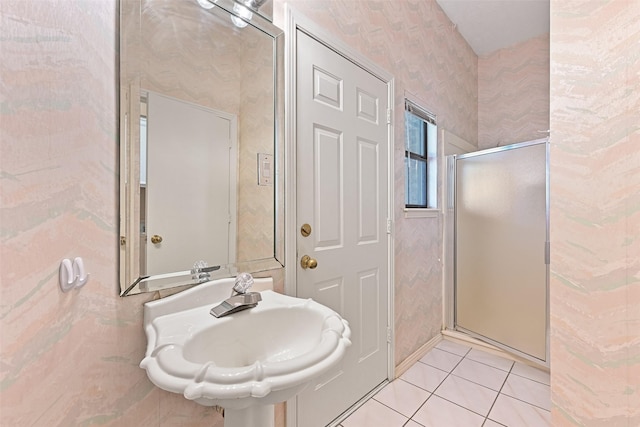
(155, 239)
(305, 230)
(308, 262)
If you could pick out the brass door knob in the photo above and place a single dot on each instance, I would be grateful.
(308, 262)
(155, 239)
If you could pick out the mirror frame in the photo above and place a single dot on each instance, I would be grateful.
(131, 282)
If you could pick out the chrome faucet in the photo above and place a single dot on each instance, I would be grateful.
(239, 299)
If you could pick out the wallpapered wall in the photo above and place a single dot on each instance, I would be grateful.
(513, 94)
(255, 202)
(67, 359)
(72, 359)
(595, 213)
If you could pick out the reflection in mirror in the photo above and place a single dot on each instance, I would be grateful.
(204, 143)
(201, 101)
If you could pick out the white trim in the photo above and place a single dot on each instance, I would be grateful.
(357, 405)
(391, 239)
(417, 355)
(315, 31)
(450, 144)
(420, 104)
(451, 140)
(290, 285)
(293, 21)
(421, 213)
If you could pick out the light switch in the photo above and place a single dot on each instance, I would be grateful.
(265, 169)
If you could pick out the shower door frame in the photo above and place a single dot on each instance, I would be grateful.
(450, 282)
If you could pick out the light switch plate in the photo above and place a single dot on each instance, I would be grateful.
(265, 169)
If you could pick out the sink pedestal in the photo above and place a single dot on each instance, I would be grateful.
(254, 416)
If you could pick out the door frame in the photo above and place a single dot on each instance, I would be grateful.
(294, 21)
(451, 144)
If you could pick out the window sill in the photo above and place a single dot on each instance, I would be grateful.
(421, 213)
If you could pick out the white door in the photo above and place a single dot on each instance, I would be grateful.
(190, 176)
(342, 193)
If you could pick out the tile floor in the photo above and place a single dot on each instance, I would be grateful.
(456, 386)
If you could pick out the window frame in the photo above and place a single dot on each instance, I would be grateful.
(430, 159)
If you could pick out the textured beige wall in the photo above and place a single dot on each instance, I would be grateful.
(595, 213)
(256, 210)
(513, 93)
(67, 358)
(177, 44)
(72, 359)
(415, 42)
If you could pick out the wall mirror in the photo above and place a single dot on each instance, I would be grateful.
(201, 146)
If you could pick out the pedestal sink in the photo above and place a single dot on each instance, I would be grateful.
(247, 361)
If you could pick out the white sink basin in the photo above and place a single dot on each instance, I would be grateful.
(260, 356)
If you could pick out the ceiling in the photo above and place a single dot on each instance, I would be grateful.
(490, 25)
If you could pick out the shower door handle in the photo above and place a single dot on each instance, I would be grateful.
(547, 253)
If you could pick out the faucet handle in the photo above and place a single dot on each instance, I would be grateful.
(243, 282)
(236, 303)
(201, 272)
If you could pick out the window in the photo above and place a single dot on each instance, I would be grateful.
(420, 157)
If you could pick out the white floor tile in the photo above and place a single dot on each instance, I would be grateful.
(530, 391)
(489, 423)
(480, 373)
(374, 413)
(424, 376)
(438, 412)
(441, 359)
(490, 359)
(403, 397)
(462, 398)
(513, 412)
(453, 347)
(531, 373)
(467, 394)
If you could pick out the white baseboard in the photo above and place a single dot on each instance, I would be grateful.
(417, 355)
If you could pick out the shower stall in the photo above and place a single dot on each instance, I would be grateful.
(498, 247)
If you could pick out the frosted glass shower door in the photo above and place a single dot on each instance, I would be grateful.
(500, 247)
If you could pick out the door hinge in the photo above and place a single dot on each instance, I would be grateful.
(389, 115)
(389, 226)
(389, 335)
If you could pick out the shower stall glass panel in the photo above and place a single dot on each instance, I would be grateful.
(501, 234)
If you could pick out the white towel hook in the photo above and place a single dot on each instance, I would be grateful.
(65, 274)
(78, 270)
(72, 275)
